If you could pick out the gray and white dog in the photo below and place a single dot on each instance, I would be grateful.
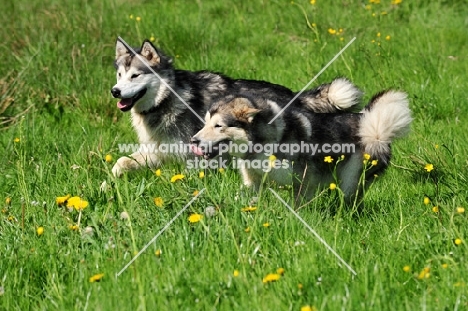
(240, 125)
(166, 103)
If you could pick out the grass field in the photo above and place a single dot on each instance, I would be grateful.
(58, 122)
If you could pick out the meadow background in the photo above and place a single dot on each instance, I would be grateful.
(58, 123)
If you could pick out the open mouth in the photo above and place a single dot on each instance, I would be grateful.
(125, 104)
(208, 151)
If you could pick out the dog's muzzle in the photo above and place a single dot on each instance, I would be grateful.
(125, 104)
(206, 150)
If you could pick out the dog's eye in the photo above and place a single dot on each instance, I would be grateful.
(135, 76)
(120, 74)
(218, 125)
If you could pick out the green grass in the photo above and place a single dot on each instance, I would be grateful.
(56, 73)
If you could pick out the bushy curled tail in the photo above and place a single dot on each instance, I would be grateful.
(336, 96)
(385, 118)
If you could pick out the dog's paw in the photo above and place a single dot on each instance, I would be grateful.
(122, 165)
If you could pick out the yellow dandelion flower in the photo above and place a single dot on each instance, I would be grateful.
(108, 158)
(177, 177)
(96, 277)
(271, 277)
(387, 38)
(158, 252)
(16, 140)
(426, 200)
(195, 193)
(366, 156)
(272, 158)
(157, 172)
(460, 210)
(131, 16)
(194, 218)
(373, 41)
(435, 209)
(221, 170)
(138, 18)
(308, 308)
(300, 286)
(235, 273)
(332, 186)
(341, 39)
(280, 271)
(152, 39)
(266, 225)
(62, 200)
(436, 146)
(159, 202)
(40, 230)
(77, 203)
(201, 175)
(73, 227)
(428, 167)
(374, 162)
(378, 34)
(458, 241)
(314, 25)
(8, 201)
(396, 2)
(248, 209)
(444, 265)
(407, 268)
(328, 159)
(247, 229)
(373, 14)
(331, 31)
(424, 274)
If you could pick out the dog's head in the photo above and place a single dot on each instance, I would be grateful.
(138, 75)
(227, 121)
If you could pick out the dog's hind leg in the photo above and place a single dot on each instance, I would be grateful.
(350, 181)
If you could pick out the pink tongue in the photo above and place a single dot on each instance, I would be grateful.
(197, 150)
(124, 103)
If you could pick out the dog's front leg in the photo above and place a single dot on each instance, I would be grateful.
(135, 161)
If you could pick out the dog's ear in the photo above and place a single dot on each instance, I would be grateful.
(120, 49)
(243, 110)
(150, 53)
(250, 113)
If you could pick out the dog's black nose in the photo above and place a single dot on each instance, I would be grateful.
(115, 92)
(194, 140)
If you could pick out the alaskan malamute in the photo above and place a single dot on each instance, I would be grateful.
(166, 104)
(306, 146)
